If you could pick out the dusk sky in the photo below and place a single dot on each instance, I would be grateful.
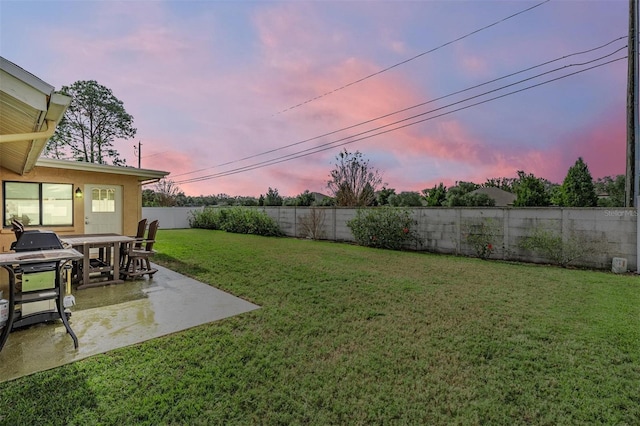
(220, 87)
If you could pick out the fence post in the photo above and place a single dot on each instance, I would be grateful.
(505, 233)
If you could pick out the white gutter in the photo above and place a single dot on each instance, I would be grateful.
(18, 137)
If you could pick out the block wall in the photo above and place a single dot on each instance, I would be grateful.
(444, 230)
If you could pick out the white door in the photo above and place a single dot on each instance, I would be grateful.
(102, 209)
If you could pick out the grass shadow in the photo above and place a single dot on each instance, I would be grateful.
(180, 266)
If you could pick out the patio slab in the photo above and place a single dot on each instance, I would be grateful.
(115, 316)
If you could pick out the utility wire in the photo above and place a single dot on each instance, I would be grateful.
(153, 155)
(332, 145)
(404, 109)
(412, 58)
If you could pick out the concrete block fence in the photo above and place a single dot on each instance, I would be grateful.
(443, 230)
(170, 217)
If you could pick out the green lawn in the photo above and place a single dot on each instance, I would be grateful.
(350, 335)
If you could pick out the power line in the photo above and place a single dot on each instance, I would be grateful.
(405, 109)
(153, 155)
(332, 145)
(412, 58)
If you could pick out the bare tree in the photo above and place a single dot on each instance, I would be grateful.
(353, 181)
(166, 192)
(312, 225)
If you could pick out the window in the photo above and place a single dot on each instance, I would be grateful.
(38, 204)
(103, 200)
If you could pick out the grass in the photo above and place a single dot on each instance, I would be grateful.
(351, 335)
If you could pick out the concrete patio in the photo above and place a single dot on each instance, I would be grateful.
(111, 317)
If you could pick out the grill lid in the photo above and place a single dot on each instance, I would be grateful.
(37, 240)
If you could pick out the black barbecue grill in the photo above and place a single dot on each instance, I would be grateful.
(40, 276)
(37, 241)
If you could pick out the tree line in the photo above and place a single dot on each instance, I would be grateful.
(355, 183)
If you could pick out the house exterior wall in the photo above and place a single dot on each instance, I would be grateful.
(131, 200)
(131, 197)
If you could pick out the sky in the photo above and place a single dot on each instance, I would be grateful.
(237, 97)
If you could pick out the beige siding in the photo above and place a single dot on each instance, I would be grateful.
(131, 197)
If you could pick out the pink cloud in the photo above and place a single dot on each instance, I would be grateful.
(472, 64)
(189, 106)
(602, 145)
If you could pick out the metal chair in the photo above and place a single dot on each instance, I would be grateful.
(138, 263)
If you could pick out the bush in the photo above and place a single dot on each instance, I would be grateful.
(384, 227)
(560, 251)
(208, 218)
(481, 235)
(312, 225)
(238, 220)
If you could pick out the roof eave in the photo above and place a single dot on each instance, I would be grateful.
(143, 175)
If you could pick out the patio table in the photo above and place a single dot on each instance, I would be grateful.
(9, 261)
(107, 264)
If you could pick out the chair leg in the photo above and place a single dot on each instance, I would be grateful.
(127, 268)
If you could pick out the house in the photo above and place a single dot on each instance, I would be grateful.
(501, 197)
(67, 197)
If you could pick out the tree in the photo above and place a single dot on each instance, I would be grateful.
(467, 187)
(459, 195)
(479, 200)
(246, 201)
(405, 199)
(504, 183)
(557, 196)
(577, 188)
(435, 196)
(354, 182)
(531, 191)
(149, 198)
(612, 191)
(384, 194)
(166, 193)
(273, 198)
(94, 120)
(305, 199)
(456, 199)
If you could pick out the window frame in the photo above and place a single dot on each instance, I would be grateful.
(41, 203)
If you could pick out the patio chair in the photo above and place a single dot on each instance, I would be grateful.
(138, 263)
(142, 227)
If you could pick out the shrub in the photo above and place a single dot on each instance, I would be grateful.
(238, 220)
(481, 235)
(208, 218)
(312, 225)
(384, 227)
(558, 250)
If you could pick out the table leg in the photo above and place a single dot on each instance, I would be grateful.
(86, 266)
(116, 262)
